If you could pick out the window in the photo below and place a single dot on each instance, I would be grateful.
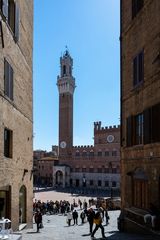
(8, 143)
(106, 183)
(136, 7)
(151, 124)
(8, 80)
(91, 154)
(107, 153)
(114, 170)
(84, 154)
(138, 69)
(113, 184)
(64, 70)
(144, 127)
(99, 170)
(106, 170)
(10, 11)
(77, 154)
(99, 183)
(139, 129)
(114, 153)
(1, 4)
(91, 169)
(83, 169)
(91, 182)
(99, 153)
(71, 181)
(77, 169)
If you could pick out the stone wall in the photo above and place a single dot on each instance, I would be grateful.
(16, 115)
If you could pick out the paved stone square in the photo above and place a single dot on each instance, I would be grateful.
(56, 228)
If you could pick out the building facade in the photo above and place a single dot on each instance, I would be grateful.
(140, 107)
(16, 151)
(83, 166)
(43, 163)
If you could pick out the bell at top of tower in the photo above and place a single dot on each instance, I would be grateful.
(66, 53)
(66, 64)
(66, 81)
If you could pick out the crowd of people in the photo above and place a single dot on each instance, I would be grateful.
(73, 211)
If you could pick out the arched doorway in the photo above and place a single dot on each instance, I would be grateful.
(59, 178)
(22, 204)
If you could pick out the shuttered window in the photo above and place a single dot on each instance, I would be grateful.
(1, 4)
(144, 127)
(10, 10)
(129, 129)
(139, 129)
(8, 80)
(138, 69)
(8, 135)
(136, 7)
(147, 126)
(155, 123)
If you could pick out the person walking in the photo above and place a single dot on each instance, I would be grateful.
(38, 219)
(69, 218)
(90, 217)
(75, 217)
(98, 221)
(106, 216)
(82, 216)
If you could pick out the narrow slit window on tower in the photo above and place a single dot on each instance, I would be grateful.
(64, 70)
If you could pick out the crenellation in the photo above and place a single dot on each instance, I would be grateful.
(83, 146)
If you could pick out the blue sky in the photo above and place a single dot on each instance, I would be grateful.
(90, 29)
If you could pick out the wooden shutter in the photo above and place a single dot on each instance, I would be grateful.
(1, 4)
(135, 69)
(16, 27)
(6, 78)
(155, 123)
(1, 34)
(5, 8)
(134, 2)
(147, 126)
(141, 67)
(129, 133)
(139, 5)
(10, 82)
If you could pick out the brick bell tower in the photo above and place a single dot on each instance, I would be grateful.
(66, 87)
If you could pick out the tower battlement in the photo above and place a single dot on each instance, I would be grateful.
(98, 127)
(83, 147)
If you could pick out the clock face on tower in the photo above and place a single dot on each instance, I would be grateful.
(110, 138)
(63, 144)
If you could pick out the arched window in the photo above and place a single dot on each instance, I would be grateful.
(77, 154)
(91, 153)
(84, 153)
(99, 154)
(114, 153)
(106, 153)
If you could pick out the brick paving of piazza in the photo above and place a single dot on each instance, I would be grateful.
(56, 228)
